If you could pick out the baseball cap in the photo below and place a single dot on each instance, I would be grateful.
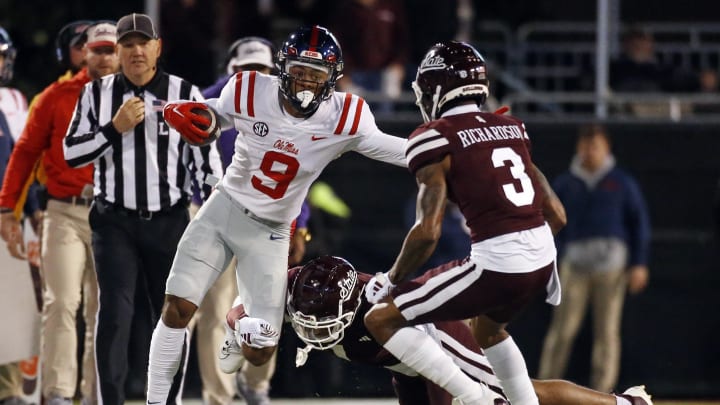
(103, 34)
(136, 23)
(250, 51)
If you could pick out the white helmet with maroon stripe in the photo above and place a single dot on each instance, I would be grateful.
(450, 71)
(314, 47)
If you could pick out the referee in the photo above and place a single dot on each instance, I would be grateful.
(142, 180)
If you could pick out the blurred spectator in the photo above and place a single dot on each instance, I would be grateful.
(603, 252)
(709, 81)
(69, 47)
(375, 40)
(709, 85)
(187, 27)
(637, 69)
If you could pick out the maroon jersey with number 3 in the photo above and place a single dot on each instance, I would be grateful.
(490, 177)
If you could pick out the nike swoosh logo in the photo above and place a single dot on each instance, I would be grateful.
(150, 403)
(317, 138)
(275, 237)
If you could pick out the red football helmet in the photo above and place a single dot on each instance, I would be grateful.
(323, 300)
(449, 71)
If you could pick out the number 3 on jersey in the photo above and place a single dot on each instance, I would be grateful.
(517, 169)
(281, 169)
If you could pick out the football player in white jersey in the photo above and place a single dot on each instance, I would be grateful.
(13, 112)
(12, 103)
(293, 126)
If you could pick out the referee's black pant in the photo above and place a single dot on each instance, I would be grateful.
(128, 245)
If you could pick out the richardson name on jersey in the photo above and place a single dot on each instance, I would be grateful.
(493, 133)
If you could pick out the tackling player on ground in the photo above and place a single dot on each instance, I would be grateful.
(326, 306)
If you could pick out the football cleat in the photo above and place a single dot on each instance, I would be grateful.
(230, 355)
(637, 395)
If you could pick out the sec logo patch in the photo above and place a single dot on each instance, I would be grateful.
(260, 129)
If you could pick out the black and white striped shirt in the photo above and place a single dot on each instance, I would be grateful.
(148, 167)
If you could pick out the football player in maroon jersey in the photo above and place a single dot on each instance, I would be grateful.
(326, 307)
(481, 161)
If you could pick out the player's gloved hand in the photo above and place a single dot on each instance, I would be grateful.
(190, 125)
(256, 332)
(378, 288)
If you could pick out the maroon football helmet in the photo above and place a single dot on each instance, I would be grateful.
(323, 300)
(449, 71)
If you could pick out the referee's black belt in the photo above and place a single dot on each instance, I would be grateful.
(74, 200)
(104, 206)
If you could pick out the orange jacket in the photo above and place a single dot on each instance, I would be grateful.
(43, 136)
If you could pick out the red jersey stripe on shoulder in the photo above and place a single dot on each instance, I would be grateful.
(238, 91)
(344, 114)
(251, 94)
(356, 119)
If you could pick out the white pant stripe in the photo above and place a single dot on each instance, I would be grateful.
(448, 292)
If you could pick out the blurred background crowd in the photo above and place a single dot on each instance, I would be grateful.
(390, 34)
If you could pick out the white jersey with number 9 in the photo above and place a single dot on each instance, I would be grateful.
(279, 156)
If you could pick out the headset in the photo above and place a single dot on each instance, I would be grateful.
(74, 30)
